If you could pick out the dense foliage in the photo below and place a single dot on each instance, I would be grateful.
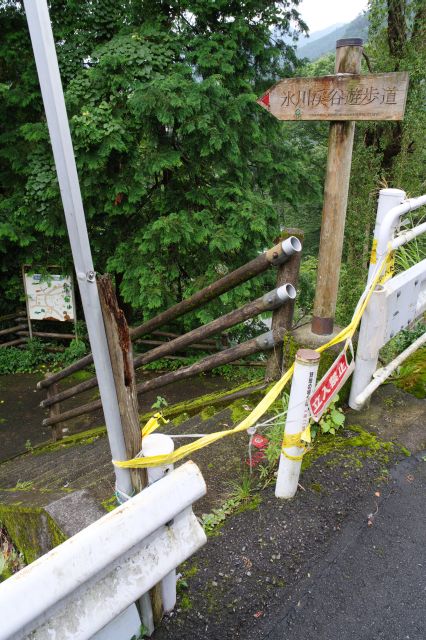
(387, 154)
(183, 176)
(37, 357)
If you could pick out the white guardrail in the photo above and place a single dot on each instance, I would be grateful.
(83, 584)
(393, 305)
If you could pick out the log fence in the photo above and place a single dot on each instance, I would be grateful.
(11, 336)
(286, 251)
(20, 334)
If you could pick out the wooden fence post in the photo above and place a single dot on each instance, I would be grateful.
(55, 410)
(121, 355)
(282, 318)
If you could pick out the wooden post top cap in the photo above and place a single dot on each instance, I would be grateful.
(349, 42)
(307, 356)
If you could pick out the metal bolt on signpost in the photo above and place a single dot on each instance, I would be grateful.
(303, 383)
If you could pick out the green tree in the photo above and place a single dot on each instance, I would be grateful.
(180, 170)
(386, 153)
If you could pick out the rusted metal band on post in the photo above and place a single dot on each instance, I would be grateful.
(322, 326)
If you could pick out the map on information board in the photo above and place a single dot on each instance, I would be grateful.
(49, 297)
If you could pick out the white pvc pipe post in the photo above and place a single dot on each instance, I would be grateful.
(302, 386)
(158, 444)
(54, 104)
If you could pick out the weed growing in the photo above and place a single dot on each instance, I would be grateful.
(11, 560)
(35, 357)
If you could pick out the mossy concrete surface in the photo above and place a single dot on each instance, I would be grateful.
(31, 528)
(411, 375)
(394, 415)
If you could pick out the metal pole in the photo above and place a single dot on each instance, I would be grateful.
(57, 120)
(381, 375)
(340, 142)
(388, 199)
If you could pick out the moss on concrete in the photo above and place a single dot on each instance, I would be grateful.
(411, 376)
(365, 443)
(83, 438)
(31, 529)
(81, 376)
(110, 503)
(207, 412)
(192, 407)
(240, 409)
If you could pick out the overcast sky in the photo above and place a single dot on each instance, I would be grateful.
(319, 14)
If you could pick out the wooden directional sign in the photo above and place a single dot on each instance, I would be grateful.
(379, 96)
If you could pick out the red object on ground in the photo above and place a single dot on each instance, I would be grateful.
(259, 441)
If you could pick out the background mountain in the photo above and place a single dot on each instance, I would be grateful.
(322, 42)
(316, 35)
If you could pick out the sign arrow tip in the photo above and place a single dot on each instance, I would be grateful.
(264, 100)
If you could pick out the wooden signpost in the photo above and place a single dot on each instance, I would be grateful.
(378, 96)
(342, 99)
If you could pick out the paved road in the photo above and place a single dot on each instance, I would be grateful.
(374, 585)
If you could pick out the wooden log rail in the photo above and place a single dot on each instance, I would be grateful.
(271, 300)
(196, 346)
(283, 316)
(169, 334)
(45, 334)
(18, 318)
(275, 256)
(18, 327)
(262, 343)
(13, 343)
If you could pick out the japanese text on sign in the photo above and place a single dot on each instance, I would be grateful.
(329, 385)
(326, 98)
(378, 96)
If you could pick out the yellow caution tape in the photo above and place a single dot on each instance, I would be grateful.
(188, 449)
(153, 424)
(258, 411)
(294, 458)
(300, 439)
(373, 256)
(390, 268)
